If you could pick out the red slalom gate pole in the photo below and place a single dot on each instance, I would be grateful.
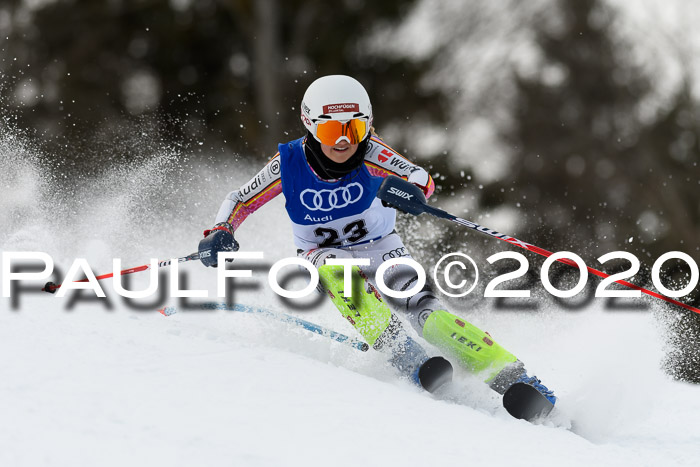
(409, 198)
(50, 287)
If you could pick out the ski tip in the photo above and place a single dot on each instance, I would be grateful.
(525, 402)
(435, 372)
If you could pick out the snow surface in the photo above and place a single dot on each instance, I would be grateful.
(82, 384)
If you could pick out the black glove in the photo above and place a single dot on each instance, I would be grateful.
(219, 238)
(399, 205)
(402, 195)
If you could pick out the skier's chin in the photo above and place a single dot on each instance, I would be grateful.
(339, 153)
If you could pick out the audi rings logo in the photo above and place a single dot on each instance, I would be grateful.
(327, 200)
(397, 253)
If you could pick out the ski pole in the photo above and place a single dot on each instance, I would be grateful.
(285, 318)
(50, 287)
(409, 198)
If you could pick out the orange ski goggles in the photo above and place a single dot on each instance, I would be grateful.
(329, 132)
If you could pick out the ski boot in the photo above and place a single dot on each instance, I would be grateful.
(537, 384)
(382, 330)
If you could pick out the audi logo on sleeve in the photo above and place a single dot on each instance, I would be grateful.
(327, 200)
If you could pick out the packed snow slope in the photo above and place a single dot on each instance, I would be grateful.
(86, 382)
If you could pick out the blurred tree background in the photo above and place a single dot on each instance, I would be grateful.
(227, 72)
(570, 123)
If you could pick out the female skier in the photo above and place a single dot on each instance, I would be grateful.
(329, 179)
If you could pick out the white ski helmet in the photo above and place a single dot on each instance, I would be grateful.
(340, 98)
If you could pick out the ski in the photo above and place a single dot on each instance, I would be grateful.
(523, 401)
(434, 373)
(283, 317)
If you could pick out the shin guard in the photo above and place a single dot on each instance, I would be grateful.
(372, 318)
(474, 348)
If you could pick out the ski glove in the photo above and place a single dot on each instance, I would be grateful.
(218, 238)
(399, 204)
